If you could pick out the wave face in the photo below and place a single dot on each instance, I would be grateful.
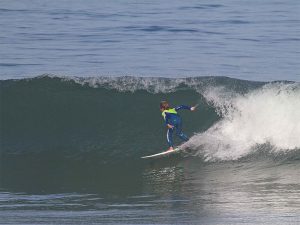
(111, 119)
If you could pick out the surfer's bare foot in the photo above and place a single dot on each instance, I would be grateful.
(170, 149)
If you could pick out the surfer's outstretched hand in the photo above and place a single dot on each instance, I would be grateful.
(193, 108)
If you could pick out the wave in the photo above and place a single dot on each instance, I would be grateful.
(109, 119)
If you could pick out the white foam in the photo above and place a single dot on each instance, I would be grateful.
(149, 84)
(130, 83)
(269, 115)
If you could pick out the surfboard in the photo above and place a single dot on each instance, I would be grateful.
(161, 154)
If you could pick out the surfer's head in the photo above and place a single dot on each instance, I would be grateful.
(164, 105)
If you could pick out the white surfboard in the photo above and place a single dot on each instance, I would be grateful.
(161, 154)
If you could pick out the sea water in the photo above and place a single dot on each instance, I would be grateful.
(257, 40)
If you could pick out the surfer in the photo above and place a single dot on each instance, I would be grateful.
(173, 121)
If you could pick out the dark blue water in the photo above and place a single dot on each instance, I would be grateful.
(256, 40)
(71, 142)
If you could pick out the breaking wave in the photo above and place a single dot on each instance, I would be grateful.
(108, 119)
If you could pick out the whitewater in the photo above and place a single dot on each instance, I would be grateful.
(267, 119)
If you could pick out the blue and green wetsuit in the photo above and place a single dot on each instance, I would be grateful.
(171, 117)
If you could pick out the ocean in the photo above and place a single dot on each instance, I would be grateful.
(80, 87)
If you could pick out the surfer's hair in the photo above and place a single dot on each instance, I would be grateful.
(164, 105)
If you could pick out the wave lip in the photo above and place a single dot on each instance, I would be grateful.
(162, 84)
(265, 118)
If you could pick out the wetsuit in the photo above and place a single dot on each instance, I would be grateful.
(171, 117)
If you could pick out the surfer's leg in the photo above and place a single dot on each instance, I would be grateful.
(170, 137)
(180, 133)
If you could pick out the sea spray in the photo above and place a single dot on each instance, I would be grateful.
(267, 116)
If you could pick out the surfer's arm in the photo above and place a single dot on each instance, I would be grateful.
(192, 108)
(167, 121)
(182, 107)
